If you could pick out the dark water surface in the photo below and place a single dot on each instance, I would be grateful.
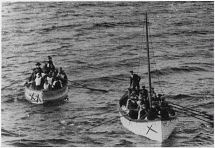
(97, 44)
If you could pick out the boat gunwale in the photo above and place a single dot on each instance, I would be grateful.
(43, 90)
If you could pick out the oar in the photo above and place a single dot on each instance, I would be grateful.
(193, 111)
(189, 110)
(102, 123)
(92, 89)
(197, 114)
(93, 114)
(196, 117)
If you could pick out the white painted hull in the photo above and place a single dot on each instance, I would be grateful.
(43, 96)
(155, 130)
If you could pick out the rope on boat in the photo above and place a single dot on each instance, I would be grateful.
(154, 60)
(194, 113)
(200, 113)
(92, 89)
(115, 118)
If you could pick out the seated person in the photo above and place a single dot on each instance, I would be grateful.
(38, 81)
(152, 112)
(145, 101)
(46, 85)
(133, 114)
(132, 103)
(143, 93)
(154, 96)
(49, 78)
(56, 84)
(171, 112)
(142, 113)
(164, 112)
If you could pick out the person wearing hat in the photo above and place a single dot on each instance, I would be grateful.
(38, 69)
(134, 81)
(49, 66)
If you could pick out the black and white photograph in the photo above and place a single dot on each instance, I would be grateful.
(107, 73)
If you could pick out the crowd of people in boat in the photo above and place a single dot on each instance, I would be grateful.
(138, 105)
(47, 78)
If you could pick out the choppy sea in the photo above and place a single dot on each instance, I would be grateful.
(97, 44)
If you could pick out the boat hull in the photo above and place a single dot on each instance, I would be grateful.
(43, 96)
(155, 130)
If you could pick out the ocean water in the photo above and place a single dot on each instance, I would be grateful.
(97, 44)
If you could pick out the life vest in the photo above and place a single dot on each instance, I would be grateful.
(46, 86)
(38, 81)
(49, 79)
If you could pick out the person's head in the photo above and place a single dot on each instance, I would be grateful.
(49, 58)
(38, 64)
(143, 87)
(132, 72)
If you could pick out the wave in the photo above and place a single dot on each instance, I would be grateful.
(116, 24)
(124, 142)
(38, 143)
(181, 96)
(172, 70)
(10, 134)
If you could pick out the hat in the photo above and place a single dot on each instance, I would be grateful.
(143, 86)
(38, 63)
(131, 71)
(49, 57)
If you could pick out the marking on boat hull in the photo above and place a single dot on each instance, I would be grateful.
(150, 128)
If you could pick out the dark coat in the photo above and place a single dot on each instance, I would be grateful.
(152, 114)
(133, 114)
(144, 93)
(164, 113)
(135, 80)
